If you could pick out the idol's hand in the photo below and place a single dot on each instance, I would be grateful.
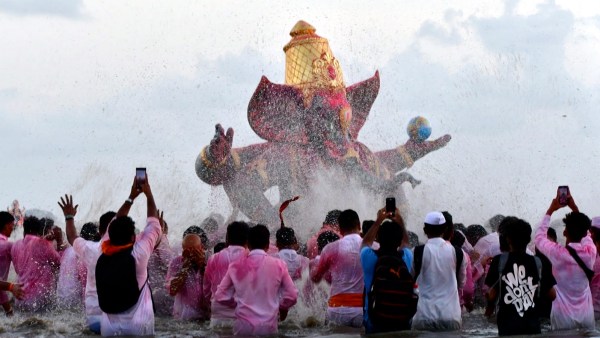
(220, 146)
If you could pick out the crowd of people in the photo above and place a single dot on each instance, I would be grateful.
(379, 277)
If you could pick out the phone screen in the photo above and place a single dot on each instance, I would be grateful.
(390, 204)
(563, 194)
(140, 175)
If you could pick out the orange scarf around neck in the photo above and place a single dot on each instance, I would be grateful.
(109, 249)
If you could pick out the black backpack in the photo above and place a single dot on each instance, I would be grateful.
(392, 300)
(116, 282)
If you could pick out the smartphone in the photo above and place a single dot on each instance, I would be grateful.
(140, 176)
(563, 194)
(390, 204)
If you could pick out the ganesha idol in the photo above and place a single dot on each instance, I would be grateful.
(310, 123)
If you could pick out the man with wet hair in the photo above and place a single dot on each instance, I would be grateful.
(184, 280)
(256, 308)
(329, 224)
(36, 263)
(7, 223)
(342, 260)
(124, 261)
(573, 307)
(216, 268)
(287, 244)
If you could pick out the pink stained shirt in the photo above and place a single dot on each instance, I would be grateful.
(36, 264)
(158, 265)
(467, 291)
(573, 306)
(70, 288)
(595, 288)
(5, 259)
(295, 263)
(311, 245)
(216, 268)
(139, 320)
(188, 301)
(88, 253)
(342, 260)
(258, 286)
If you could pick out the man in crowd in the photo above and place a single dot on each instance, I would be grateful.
(184, 280)
(7, 222)
(259, 287)
(287, 244)
(342, 259)
(122, 270)
(330, 224)
(573, 307)
(88, 251)
(216, 268)
(438, 308)
(36, 263)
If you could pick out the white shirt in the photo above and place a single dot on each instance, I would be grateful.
(89, 252)
(439, 304)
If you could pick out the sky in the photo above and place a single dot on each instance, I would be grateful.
(90, 90)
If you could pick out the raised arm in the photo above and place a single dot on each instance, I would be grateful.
(66, 204)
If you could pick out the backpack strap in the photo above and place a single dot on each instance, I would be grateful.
(589, 273)
(538, 264)
(459, 259)
(418, 258)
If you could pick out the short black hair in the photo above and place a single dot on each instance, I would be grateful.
(474, 233)
(503, 228)
(332, 217)
(495, 221)
(461, 227)
(89, 232)
(237, 233)
(413, 239)
(366, 225)
(325, 238)
(285, 237)
(121, 230)
(105, 221)
(47, 225)
(449, 232)
(258, 237)
(33, 226)
(210, 224)
(518, 234)
(196, 230)
(219, 246)
(5, 218)
(458, 239)
(390, 236)
(577, 225)
(433, 231)
(348, 220)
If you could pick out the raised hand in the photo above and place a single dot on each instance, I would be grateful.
(220, 146)
(66, 204)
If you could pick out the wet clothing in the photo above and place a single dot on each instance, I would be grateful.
(36, 263)
(139, 320)
(518, 294)
(295, 263)
(312, 248)
(88, 253)
(157, 267)
(595, 288)
(5, 259)
(342, 259)
(71, 280)
(573, 307)
(258, 286)
(188, 301)
(216, 268)
(439, 304)
(548, 281)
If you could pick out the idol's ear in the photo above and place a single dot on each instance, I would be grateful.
(276, 112)
(361, 97)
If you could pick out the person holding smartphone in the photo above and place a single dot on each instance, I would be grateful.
(573, 307)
